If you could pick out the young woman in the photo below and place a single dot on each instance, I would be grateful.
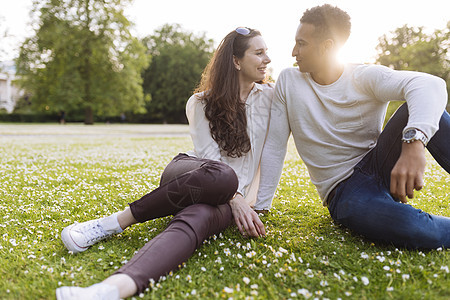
(205, 188)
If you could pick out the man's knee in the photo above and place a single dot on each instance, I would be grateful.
(399, 224)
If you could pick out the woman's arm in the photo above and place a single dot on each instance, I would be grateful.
(245, 217)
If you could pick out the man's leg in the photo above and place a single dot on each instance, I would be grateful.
(381, 160)
(363, 203)
(439, 145)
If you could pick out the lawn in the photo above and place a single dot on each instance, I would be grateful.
(52, 175)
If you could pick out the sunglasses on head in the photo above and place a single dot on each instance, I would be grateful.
(243, 30)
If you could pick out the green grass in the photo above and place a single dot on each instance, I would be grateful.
(51, 176)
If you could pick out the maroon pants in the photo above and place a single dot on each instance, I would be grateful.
(197, 192)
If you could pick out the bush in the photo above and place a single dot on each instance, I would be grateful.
(393, 106)
(28, 118)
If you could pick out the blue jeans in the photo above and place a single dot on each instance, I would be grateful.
(364, 204)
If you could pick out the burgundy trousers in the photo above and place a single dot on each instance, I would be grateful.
(197, 192)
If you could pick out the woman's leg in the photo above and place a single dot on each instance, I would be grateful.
(124, 283)
(185, 181)
(115, 287)
(184, 234)
(181, 164)
(126, 218)
(206, 181)
(164, 253)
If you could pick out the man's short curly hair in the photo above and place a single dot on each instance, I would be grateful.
(329, 21)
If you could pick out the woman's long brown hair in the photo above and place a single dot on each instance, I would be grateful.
(223, 106)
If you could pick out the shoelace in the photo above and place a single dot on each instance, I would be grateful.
(93, 232)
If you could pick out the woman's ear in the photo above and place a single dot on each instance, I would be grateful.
(236, 63)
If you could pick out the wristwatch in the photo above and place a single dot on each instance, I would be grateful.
(412, 134)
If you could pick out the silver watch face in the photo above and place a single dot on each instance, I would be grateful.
(409, 134)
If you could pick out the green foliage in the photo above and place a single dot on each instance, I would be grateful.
(82, 58)
(410, 48)
(178, 60)
(3, 36)
(392, 107)
(51, 176)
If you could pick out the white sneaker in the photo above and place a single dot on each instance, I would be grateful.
(79, 237)
(99, 291)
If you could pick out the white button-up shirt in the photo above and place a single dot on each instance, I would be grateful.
(258, 106)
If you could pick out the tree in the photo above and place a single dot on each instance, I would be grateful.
(82, 57)
(410, 48)
(178, 59)
(3, 37)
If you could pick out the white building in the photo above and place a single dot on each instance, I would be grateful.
(9, 93)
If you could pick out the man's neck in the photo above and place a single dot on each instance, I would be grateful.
(329, 74)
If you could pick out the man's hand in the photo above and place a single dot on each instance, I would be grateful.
(407, 174)
(246, 218)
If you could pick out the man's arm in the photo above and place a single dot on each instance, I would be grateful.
(274, 150)
(426, 97)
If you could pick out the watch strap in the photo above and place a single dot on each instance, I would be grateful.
(418, 136)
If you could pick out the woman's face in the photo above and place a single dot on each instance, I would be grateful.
(253, 65)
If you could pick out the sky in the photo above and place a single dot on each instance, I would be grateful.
(276, 20)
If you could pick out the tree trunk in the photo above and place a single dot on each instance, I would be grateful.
(88, 113)
(88, 116)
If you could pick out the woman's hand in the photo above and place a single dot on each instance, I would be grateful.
(246, 218)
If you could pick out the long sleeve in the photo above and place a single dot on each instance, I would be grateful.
(425, 95)
(258, 108)
(204, 144)
(274, 150)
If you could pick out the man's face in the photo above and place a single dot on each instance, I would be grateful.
(307, 49)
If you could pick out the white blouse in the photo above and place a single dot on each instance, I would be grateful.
(258, 106)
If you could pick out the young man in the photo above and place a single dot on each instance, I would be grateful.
(335, 113)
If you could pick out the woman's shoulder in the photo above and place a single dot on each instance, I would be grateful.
(196, 98)
(194, 103)
(266, 86)
(266, 89)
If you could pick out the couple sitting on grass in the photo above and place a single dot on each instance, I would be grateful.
(240, 126)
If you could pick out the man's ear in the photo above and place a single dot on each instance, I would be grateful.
(236, 63)
(327, 46)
